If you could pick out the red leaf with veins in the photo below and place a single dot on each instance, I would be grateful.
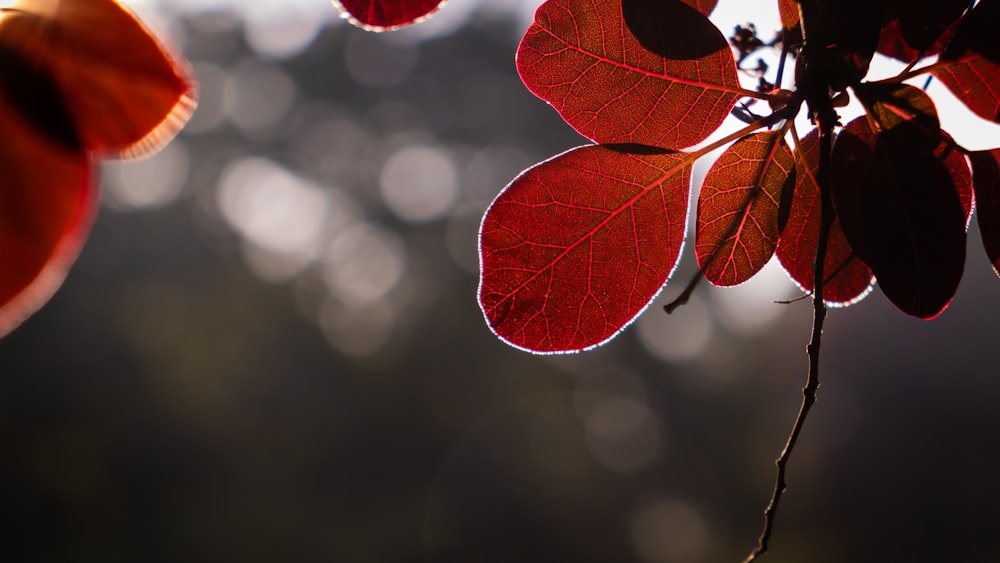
(577, 246)
(902, 214)
(848, 279)
(973, 57)
(386, 15)
(666, 79)
(986, 181)
(739, 205)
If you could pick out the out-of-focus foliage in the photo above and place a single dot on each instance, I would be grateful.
(270, 351)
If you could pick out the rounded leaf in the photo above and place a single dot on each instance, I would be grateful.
(902, 214)
(126, 94)
(986, 181)
(47, 201)
(386, 15)
(666, 78)
(739, 207)
(577, 246)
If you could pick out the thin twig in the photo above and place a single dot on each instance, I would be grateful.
(685, 295)
(819, 315)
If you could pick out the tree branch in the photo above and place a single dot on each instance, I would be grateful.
(819, 315)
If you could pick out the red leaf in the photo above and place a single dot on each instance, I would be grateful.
(703, 6)
(386, 15)
(78, 76)
(667, 79)
(577, 246)
(986, 181)
(739, 206)
(902, 214)
(848, 279)
(973, 72)
(127, 96)
(46, 206)
(789, 12)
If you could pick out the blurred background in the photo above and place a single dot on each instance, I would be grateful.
(270, 348)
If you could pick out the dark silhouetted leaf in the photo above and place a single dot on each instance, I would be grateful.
(973, 74)
(958, 168)
(841, 39)
(847, 278)
(922, 23)
(903, 216)
(127, 96)
(739, 205)
(986, 181)
(618, 91)
(577, 246)
(672, 29)
(46, 206)
(905, 114)
(385, 15)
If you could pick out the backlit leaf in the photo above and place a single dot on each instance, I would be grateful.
(986, 181)
(847, 278)
(47, 201)
(385, 15)
(903, 216)
(666, 79)
(577, 246)
(126, 94)
(973, 74)
(738, 209)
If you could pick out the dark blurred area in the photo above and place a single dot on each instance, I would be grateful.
(270, 350)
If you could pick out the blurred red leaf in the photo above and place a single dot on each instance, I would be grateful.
(986, 181)
(902, 214)
(385, 15)
(973, 57)
(127, 95)
(46, 206)
(577, 246)
(848, 279)
(667, 79)
(80, 78)
(739, 205)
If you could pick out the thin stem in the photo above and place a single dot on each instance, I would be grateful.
(685, 295)
(819, 315)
